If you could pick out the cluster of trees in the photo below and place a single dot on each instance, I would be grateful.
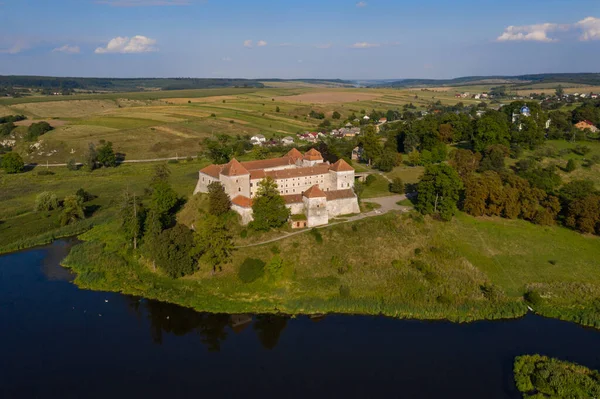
(12, 163)
(36, 130)
(72, 206)
(562, 122)
(7, 124)
(481, 185)
(97, 157)
(222, 149)
(538, 376)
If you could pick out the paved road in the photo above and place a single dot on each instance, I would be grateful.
(387, 204)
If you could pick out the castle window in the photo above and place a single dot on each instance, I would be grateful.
(203, 179)
(237, 181)
(250, 184)
(239, 189)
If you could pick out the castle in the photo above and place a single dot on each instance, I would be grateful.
(310, 187)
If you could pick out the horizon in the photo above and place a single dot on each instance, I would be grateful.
(348, 39)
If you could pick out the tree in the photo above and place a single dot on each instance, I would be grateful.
(6, 129)
(493, 158)
(214, 243)
(218, 200)
(397, 186)
(571, 165)
(277, 109)
(439, 191)
(106, 156)
(268, 207)
(414, 158)
(132, 217)
(484, 195)
(162, 201)
(560, 91)
(172, 250)
(584, 214)
(576, 190)
(45, 201)
(12, 163)
(492, 128)
(372, 148)
(465, 162)
(35, 130)
(446, 132)
(161, 174)
(336, 115)
(274, 269)
(387, 161)
(72, 165)
(91, 158)
(72, 210)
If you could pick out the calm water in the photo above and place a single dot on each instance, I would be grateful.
(59, 341)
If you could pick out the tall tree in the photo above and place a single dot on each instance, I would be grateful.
(214, 243)
(106, 155)
(492, 128)
(439, 191)
(91, 158)
(131, 214)
(218, 200)
(268, 207)
(72, 210)
(465, 162)
(173, 251)
(162, 201)
(12, 163)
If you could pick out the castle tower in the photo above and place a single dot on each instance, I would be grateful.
(235, 179)
(315, 206)
(341, 175)
(312, 157)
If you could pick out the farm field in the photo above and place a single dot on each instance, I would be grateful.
(173, 123)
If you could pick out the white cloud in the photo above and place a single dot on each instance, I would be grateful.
(126, 45)
(248, 43)
(67, 49)
(361, 4)
(365, 45)
(226, 59)
(17, 47)
(535, 33)
(144, 3)
(590, 27)
(261, 43)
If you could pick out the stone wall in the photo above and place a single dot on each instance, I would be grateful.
(245, 213)
(316, 211)
(344, 206)
(236, 185)
(296, 209)
(203, 181)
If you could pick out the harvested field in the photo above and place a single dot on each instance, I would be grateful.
(200, 100)
(65, 109)
(4, 110)
(330, 97)
(174, 132)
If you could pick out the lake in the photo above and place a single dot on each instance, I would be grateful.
(57, 341)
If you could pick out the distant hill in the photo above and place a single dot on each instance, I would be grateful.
(117, 84)
(574, 78)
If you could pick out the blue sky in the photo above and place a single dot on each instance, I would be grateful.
(370, 39)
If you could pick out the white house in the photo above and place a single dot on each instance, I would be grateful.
(258, 139)
(288, 140)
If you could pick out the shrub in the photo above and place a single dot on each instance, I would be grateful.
(571, 166)
(275, 250)
(244, 233)
(251, 270)
(45, 172)
(12, 163)
(274, 269)
(397, 186)
(84, 195)
(533, 298)
(45, 201)
(72, 164)
(173, 161)
(344, 291)
(317, 235)
(581, 149)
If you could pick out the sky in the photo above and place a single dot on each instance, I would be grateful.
(345, 39)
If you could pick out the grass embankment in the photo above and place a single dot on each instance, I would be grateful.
(21, 227)
(542, 377)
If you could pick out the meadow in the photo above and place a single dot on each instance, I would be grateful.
(161, 124)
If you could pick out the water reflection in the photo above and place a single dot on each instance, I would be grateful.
(213, 329)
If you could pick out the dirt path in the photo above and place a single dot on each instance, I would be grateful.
(54, 165)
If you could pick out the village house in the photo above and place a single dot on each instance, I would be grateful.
(583, 125)
(310, 187)
(288, 140)
(258, 139)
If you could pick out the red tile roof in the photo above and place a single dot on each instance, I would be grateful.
(268, 163)
(292, 198)
(341, 166)
(313, 155)
(212, 170)
(234, 168)
(314, 192)
(294, 154)
(339, 194)
(242, 201)
(257, 174)
(298, 172)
